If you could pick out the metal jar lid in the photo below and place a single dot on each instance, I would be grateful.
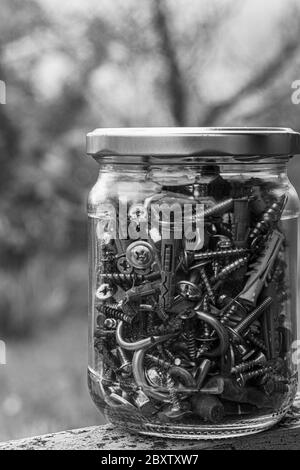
(200, 141)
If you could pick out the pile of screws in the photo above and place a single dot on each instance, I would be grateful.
(191, 336)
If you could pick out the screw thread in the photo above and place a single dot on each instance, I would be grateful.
(219, 208)
(113, 312)
(246, 366)
(220, 254)
(257, 342)
(243, 325)
(208, 287)
(191, 345)
(224, 273)
(172, 393)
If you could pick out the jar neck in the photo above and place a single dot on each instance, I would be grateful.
(200, 165)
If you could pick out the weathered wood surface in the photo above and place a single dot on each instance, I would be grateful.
(285, 436)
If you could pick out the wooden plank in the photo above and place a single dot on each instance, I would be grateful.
(284, 436)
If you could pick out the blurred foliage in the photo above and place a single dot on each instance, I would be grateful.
(73, 66)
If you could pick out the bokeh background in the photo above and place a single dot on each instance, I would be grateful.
(71, 66)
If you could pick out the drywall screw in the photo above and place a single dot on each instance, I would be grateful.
(219, 208)
(114, 311)
(105, 291)
(244, 377)
(201, 267)
(247, 366)
(208, 255)
(121, 279)
(234, 266)
(126, 367)
(269, 217)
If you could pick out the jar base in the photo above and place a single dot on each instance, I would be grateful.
(205, 432)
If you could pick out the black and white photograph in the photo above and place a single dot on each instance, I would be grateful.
(149, 227)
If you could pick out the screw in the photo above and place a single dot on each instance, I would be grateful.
(126, 367)
(208, 255)
(244, 377)
(105, 291)
(272, 386)
(124, 266)
(158, 361)
(269, 217)
(244, 324)
(201, 267)
(219, 208)
(225, 272)
(247, 366)
(140, 254)
(113, 311)
(121, 279)
(231, 314)
(110, 323)
(208, 407)
(257, 342)
(202, 372)
(190, 288)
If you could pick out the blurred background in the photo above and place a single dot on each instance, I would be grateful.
(75, 65)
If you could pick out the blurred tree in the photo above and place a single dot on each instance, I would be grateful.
(70, 68)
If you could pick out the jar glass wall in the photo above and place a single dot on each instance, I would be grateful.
(193, 294)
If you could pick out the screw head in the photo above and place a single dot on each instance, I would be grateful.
(124, 266)
(189, 290)
(105, 291)
(140, 255)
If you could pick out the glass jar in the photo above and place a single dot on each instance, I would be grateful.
(193, 259)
